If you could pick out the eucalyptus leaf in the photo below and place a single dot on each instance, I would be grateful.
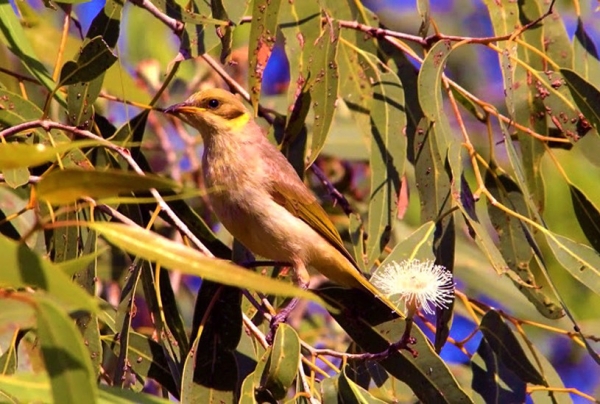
(173, 255)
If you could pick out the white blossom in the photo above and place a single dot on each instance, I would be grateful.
(417, 284)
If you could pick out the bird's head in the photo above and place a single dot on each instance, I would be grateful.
(212, 111)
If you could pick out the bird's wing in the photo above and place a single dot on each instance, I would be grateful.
(292, 194)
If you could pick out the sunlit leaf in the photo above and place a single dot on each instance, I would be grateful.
(263, 33)
(387, 157)
(22, 267)
(14, 109)
(13, 35)
(582, 262)
(516, 239)
(324, 81)
(585, 95)
(22, 155)
(418, 245)
(586, 55)
(251, 390)
(283, 362)
(27, 387)
(153, 247)
(66, 186)
(65, 356)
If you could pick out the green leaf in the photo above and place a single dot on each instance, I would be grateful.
(506, 346)
(585, 95)
(8, 359)
(15, 203)
(252, 391)
(560, 106)
(283, 362)
(300, 25)
(586, 55)
(211, 369)
(75, 265)
(15, 177)
(506, 19)
(146, 358)
(418, 245)
(433, 180)
(22, 267)
(123, 320)
(340, 389)
(516, 238)
(430, 92)
(582, 262)
(324, 81)
(14, 109)
(95, 57)
(65, 356)
(556, 40)
(530, 110)
(587, 215)
(22, 155)
(388, 155)
(115, 395)
(107, 23)
(163, 302)
(473, 108)
(552, 379)
(200, 35)
(263, 33)
(80, 99)
(218, 10)
(153, 247)
(26, 387)
(424, 9)
(67, 186)
(14, 36)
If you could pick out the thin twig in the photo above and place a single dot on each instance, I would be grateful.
(175, 25)
(33, 179)
(335, 194)
(18, 76)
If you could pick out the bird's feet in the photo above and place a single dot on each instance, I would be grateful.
(405, 341)
(277, 319)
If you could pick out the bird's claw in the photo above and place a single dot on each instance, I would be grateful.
(275, 321)
(405, 343)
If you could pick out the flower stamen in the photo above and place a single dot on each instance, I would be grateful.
(420, 285)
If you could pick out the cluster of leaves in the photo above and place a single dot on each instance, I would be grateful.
(88, 310)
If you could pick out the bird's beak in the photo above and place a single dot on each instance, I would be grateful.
(181, 108)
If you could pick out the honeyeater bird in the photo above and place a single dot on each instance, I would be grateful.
(257, 195)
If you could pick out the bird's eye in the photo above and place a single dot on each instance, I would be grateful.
(213, 103)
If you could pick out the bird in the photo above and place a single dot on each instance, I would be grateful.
(259, 198)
